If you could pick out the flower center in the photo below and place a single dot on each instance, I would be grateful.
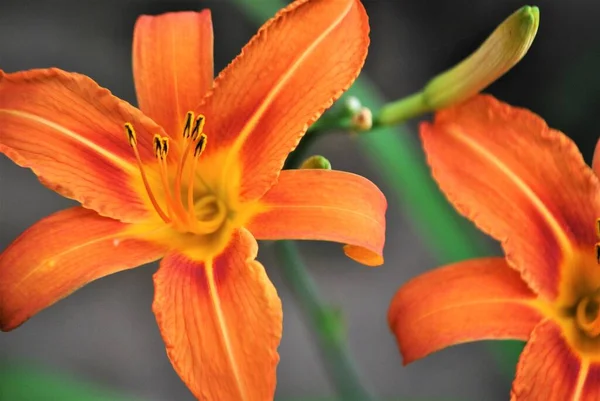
(186, 208)
(587, 315)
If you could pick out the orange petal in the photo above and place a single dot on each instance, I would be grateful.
(325, 205)
(71, 133)
(596, 159)
(172, 65)
(60, 254)
(520, 181)
(221, 321)
(474, 300)
(549, 370)
(286, 76)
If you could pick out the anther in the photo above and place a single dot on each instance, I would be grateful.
(598, 252)
(198, 127)
(165, 147)
(157, 146)
(188, 124)
(201, 145)
(131, 137)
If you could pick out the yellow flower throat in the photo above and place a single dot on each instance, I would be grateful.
(186, 208)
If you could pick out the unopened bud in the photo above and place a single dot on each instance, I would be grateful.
(363, 120)
(316, 163)
(504, 48)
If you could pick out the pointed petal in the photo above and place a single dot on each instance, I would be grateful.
(479, 299)
(61, 253)
(172, 65)
(325, 205)
(221, 321)
(285, 77)
(71, 133)
(550, 370)
(520, 181)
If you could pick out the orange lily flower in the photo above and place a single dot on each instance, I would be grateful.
(193, 177)
(527, 186)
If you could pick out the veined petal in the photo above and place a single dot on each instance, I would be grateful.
(549, 370)
(520, 181)
(325, 205)
(285, 77)
(221, 320)
(71, 133)
(479, 299)
(61, 253)
(172, 65)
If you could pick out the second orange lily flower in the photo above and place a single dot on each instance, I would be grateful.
(527, 186)
(193, 177)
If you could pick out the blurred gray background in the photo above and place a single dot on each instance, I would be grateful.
(106, 333)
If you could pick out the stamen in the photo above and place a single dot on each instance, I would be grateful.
(198, 127)
(200, 146)
(195, 132)
(132, 138)
(188, 124)
(175, 206)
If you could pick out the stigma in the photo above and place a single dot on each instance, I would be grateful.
(178, 205)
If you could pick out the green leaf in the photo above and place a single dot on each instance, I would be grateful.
(19, 382)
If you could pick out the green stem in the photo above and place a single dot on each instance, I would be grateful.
(401, 110)
(325, 323)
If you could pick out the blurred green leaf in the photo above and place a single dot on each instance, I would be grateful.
(396, 152)
(20, 382)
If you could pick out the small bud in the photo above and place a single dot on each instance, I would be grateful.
(504, 48)
(363, 120)
(316, 163)
(352, 105)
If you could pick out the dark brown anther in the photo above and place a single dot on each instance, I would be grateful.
(200, 145)
(131, 137)
(198, 127)
(188, 124)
